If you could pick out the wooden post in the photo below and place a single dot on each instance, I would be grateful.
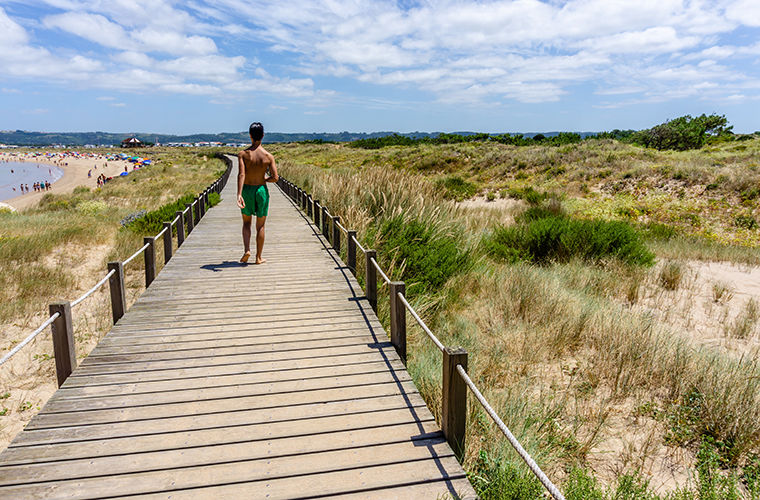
(63, 341)
(398, 318)
(336, 234)
(167, 242)
(150, 260)
(454, 400)
(371, 279)
(309, 206)
(180, 228)
(201, 207)
(351, 250)
(116, 284)
(189, 208)
(317, 211)
(325, 222)
(205, 199)
(303, 200)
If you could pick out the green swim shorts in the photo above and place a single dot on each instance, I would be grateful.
(256, 199)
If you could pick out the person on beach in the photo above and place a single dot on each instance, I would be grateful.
(252, 191)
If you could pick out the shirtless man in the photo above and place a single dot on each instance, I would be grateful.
(253, 194)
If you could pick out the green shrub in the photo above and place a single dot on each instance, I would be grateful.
(581, 485)
(214, 199)
(153, 222)
(543, 238)
(496, 479)
(429, 258)
(528, 194)
(456, 188)
(745, 221)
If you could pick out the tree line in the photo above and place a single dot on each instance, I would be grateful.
(682, 133)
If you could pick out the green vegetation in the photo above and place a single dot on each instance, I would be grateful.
(542, 237)
(456, 188)
(546, 305)
(685, 132)
(42, 249)
(421, 251)
(152, 222)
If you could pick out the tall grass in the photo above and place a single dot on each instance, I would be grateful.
(523, 325)
(59, 249)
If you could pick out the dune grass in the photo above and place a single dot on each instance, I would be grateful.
(554, 347)
(59, 249)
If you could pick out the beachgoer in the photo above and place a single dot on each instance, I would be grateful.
(89, 173)
(253, 194)
(27, 188)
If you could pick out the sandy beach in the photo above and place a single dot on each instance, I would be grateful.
(74, 174)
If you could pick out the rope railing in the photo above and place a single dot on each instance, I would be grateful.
(419, 321)
(93, 289)
(132, 257)
(29, 338)
(359, 245)
(532, 465)
(379, 270)
(61, 318)
(455, 379)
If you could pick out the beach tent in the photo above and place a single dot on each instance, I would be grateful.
(123, 174)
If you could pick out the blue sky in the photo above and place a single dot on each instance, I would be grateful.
(368, 65)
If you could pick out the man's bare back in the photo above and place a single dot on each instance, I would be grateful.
(256, 161)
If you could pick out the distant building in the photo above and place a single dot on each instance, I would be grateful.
(132, 142)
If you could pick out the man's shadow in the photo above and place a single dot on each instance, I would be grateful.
(224, 265)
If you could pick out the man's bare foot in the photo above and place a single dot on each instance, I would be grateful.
(245, 257)
(260, 261)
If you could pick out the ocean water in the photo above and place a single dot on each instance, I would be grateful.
(27, 173)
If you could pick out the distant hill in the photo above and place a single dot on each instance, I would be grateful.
(27, 138)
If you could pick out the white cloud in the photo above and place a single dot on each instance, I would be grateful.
(93, 27)
(746, 12)
(486, 51)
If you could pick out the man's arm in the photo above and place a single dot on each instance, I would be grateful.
(273, 176)
(241, 180)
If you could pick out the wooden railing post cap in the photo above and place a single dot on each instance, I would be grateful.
(451, 351)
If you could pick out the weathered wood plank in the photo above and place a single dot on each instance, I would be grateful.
(226, 380)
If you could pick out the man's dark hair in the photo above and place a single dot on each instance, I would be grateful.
(256, 130)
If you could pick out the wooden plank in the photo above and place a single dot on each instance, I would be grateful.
(46, 420)
(177, 396)
(329, 370)
(375, 400)
(436, 474)
(127, 377)
(393, 425)
(226, 381)
(427, 460)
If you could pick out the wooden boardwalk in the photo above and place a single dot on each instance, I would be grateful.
(231, 381)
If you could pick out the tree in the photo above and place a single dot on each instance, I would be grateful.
(684, 132)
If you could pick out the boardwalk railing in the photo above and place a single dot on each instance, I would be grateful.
(455, 381)
(60, 320)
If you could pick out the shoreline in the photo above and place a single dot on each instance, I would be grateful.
(74, 175)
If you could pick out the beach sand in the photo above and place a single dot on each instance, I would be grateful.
(74, 175)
